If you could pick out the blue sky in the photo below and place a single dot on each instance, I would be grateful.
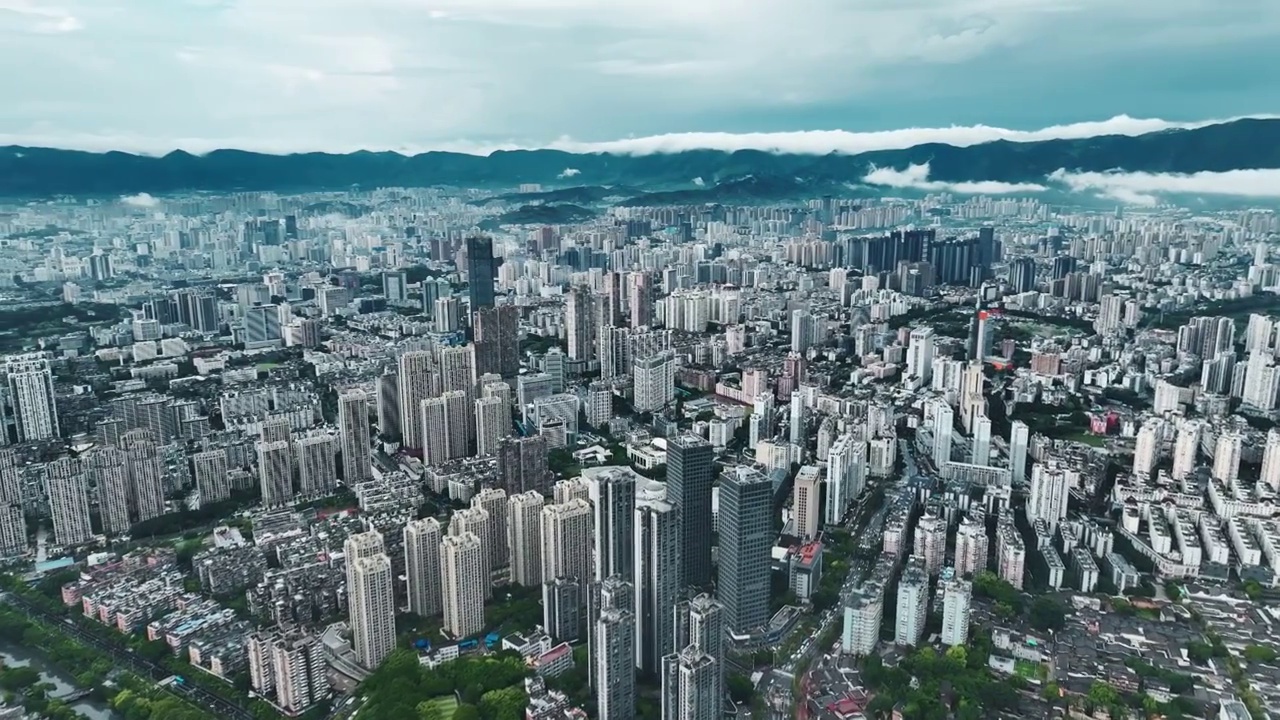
(288, 75)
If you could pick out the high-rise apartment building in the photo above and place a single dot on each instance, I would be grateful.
(522, 464)
(689, 462)
(371, 602)
(68, 495)
(579, 323)
(353, 429)
(615, 665)
(275, 474)
(494, 503)
(463, 583)
(913, 604)
(109, 471)
(13, 527)
(1270, 475)
(493, 422)
(653, 379)
(416, 375)
(317, 471)
(1050, 493)
(497, 339)
(422, 566)
(656, 563)
(806, 502)
(446, 423)
(209, 469)
(476, 520)
(956, 597)
(746, 539)
(567, 541)
(613, 498)
(524, 536)
(35, 406)
(146, 476)
(931, 542)
(1019, 438)
(972, 546)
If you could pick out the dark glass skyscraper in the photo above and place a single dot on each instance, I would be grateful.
(689, 488)
(482, 271)
(746, 504)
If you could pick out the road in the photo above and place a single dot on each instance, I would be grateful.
(220, 707)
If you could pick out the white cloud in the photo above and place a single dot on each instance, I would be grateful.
(568, 173)
(699, 181)
(141, 200)
(40, 18)
(1143, 188)
(916, 177)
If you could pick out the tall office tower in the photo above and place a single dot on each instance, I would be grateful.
(746, 538)
(389, 417)
(13, 527)
(298, 671)
(416, 370)
(522, 464)
(464, 584)
(943, 433)
(562, 604)
(422, 566)
(1019, 438)
(1146, 448)
(317, 472)
(482, 271)
(579, 324)
(972, 546)
(1186, 448)
(1050, 492)
(1226, 457)
(395, 286)
(656, 562)
(801, 331)
(494, 502)
(1022, 274)
(353, 429)
(146, 477)
(956, 595)
(689, 489)
(913, 604)
(476, 520)
(566, 541)
(919, 358)
(795, 425)
(1270, 475)
(35, 407)
(493, 422)
(107, 467)
(524, 536)
(806, 502)
(654, 381)
(931, 542)
(615, 665)
(689, 686)
(209, 468)
(274, 474)
(981, 441)
(497, 338)
(613, 498)
(446, 423)
(640, 298)
(68, 502)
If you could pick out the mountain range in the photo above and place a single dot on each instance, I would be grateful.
(688, 176)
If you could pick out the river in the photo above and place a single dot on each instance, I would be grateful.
(63, 683)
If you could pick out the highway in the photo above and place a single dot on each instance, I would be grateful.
(220, 707)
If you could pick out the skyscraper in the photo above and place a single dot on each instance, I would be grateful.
(690, 687)
(566, 541)
(613, 497)
(146, 477)
(415, 377)
(981, 440)
(657, 567)
(422, 566)
(13, 528)
(494, 503)
(689, 459)
(615, 665)
(317, 472)
(108, 468)
(209, 468)
(1019, 437)
(1270, 475)
(446, 423)
(274, 474)
(524, 536)
(493, 422)
(476, 520)
(956, 595)
(482, 271)
(579, 324)
(746, 505)
(31, 392)
(371, 602)
(68, 495)
(497, 339)
(463, 582)
(1049, 494)
(805, 502)
(522, 464)
(353, 429)
(913, 604)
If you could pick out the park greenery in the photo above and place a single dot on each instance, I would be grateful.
(485, 688)
(932, 686)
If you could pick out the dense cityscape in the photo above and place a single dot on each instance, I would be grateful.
(427, 453)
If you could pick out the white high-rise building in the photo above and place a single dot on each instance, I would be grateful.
(446, 423)
(145, 474)
(615, 633)
(1050, 493)
(943, 432)
(802, 331)
(863, 616)
(371, 601)
(1270, 475)
(920, 349)
(656, 548)
(689, 686)
(422, 566)
(67, 489)
(108, 467)
(463, 583)
(1226, 457)
(846, 475)
(805, 503)
(972, 546)
(209, 469)
(31, 392)
(298, 671)
(570, 489)
(476, 520)
(494, 503)
(275, 473)
(956, 596)
(13, 526)
(913, 604)
(931, 542)
(493, 421)
(1186, 448)
(654, 381)
(317, 471)
(981, 440)
(416, 378)
(567, 541)
(613, 497)
(1146, 449)
(524, 535)
(353, 429)
(1019, 438)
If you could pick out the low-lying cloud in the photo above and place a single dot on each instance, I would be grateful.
(1140, 188)
(141, 200)
(916, 177)
(569, 172)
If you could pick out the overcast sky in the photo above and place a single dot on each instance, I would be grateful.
(288, 75)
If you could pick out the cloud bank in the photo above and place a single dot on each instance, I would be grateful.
(1144, 188)
(141, 200)
(916, 177)
(569, 172)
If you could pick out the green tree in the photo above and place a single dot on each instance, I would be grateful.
(1048, 614)
(740, 688)
(1259, 654)
(958, 653)
(1051, 693)
(466, 712)
(1103, 695)
(1253, 589)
